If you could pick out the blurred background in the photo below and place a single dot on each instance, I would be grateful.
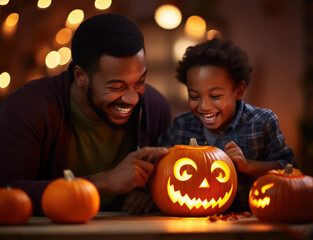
(277, 35)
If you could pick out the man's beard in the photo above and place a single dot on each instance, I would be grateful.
(100, 112)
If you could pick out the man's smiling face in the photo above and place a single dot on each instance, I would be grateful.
(116, 88)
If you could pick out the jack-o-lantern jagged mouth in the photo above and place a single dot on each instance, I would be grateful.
(176, 196)
(260, 203)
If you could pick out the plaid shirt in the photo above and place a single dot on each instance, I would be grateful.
(254, 130)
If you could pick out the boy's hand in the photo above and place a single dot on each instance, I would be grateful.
(236, 155)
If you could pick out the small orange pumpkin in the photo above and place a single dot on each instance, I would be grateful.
(70, 199)
(15, 206)
(194, 181)
(282, 196)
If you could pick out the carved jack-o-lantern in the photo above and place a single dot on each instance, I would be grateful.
(283, 195)
(194, 181)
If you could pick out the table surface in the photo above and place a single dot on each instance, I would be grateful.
(108, 225)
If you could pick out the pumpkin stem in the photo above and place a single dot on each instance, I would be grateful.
(8, 187)
(193, 142)
(288, 169)
(68, 175)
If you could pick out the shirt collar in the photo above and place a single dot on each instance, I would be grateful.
(239, 109)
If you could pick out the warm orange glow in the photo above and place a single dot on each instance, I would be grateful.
(168, 16)
(204, 184)
(65, 55)
(10, 24)
(180, 163)
(260, 202)
(195, 27)
(4, 79)
(12, 19)
(213, 33)
(179, 49)
(266, 187)
(223, 166)
(4, 2)
(43, 3)
(103, 4)
(193, 148)
(176, 196)
(63, 36)
(53, 59)
(74, 18)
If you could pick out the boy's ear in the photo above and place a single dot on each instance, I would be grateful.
(240, 89)
(80, 76)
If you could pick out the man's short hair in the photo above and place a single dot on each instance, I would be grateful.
(105, 34)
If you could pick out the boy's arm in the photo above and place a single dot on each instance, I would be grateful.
(248, 166)
(275, 153)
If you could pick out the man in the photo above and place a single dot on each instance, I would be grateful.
(91, 118)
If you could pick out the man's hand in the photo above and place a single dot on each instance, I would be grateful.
(133, 171)
(138, 201)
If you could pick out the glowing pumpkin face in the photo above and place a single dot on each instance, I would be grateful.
(194, 181)
(282, 196)
(259, 196)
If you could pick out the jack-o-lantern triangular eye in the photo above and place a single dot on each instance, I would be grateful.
(179, 164)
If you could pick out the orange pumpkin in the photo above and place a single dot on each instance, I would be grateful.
(283, 196)
(70, 199)
(15, 206)
(194, 181)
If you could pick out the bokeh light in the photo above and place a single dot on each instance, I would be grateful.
(4, 2)
(12, 19)
(180, 47)
(74, 18)
(53, 59)
(63, 36)
(213, 33)
(10, 24)
(103, 4)
(168, 16)
(195, 27)
(44, 3)
(65, 55)
(4, 79)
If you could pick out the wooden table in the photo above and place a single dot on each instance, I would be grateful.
(107, 226)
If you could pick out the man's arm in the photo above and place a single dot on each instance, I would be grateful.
(20, 146)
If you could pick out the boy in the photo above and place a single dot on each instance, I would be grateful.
(216, 74)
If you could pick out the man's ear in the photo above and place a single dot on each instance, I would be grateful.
(240, 89)
(80, 76)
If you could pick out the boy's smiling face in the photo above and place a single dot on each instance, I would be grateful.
(213, 96)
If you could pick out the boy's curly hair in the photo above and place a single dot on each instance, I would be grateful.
(216, 52)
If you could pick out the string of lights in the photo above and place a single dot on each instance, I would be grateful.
(167, 16)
